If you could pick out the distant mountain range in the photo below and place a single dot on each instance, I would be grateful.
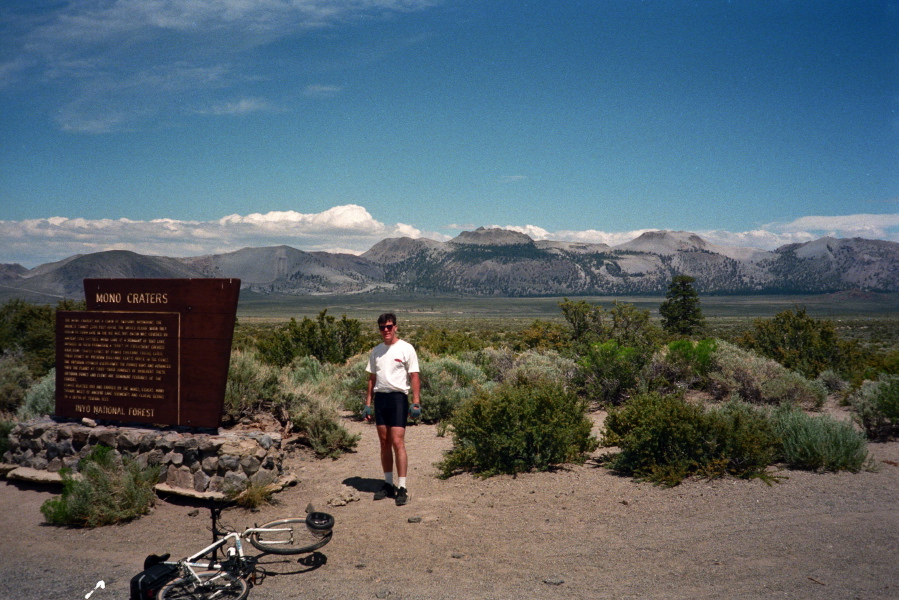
(498, 262)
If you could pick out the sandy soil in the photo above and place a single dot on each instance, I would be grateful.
(580, 532)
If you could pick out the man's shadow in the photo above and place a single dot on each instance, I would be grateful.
(364, 484)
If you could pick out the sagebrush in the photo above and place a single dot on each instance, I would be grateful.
(517, 427)
(108, 489)
(819, 442)
(875, 405)
(664, 439)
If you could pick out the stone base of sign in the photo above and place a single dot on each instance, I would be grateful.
(195, 462)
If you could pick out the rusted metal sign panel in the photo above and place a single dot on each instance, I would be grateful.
(147, 350)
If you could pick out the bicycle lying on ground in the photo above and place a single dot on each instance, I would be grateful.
(203, 576)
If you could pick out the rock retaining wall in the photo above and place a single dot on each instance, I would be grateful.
(192, 461)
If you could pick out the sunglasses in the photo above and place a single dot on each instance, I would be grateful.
(386, 327)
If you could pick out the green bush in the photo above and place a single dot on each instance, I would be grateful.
(818, 443)
(494, 362)
(444, 341)
(832, 381)
(312, 395)
(542, 365)
(40, 399)
(325, 338)
(664, 439)
(351, 384)
(517, 427)
(445, 383)
(320, 423)
(15, 379)
(683, 364)
(252, 387)
(792, 388)
(760, 380)
(6, 427)
(543, 335)
(799, 343)
(609, 372)
(623, 323)
(110, 490)
(876, 406)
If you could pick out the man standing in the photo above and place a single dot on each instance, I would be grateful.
(393, 371)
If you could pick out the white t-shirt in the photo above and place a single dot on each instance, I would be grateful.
(392, 365)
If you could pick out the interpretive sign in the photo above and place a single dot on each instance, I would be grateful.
(147, 350)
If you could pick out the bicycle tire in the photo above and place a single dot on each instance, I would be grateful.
(297, 536)
(217, 585)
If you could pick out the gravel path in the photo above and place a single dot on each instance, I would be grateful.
(581, 532)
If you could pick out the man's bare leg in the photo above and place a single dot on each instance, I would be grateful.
(397, 436)
(386, 448)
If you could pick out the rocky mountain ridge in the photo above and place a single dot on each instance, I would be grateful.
(496, 262)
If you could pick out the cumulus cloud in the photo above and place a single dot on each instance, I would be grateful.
(349, 228)
(863, 225)
(111, 65)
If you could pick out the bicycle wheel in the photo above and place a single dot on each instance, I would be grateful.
(213, 584)
(294, 536)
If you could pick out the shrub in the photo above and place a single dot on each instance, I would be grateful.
(798, 342)
(517, 427)
(40, 399)
(351, 384)
(111, 489)
(548, 365)
(818, 443)
(610, 371)
(6, 427)
(684, 364)
(876, 406)
(664, 439)
(15, 379)
(252, 494)
(760, 380)
(494, 362)
(624, 323)
(252, 386)
(320, 422)
(832, 381)
(790, 387)
(543, 335)
(326, 338)
(445, 383)
(445, 341)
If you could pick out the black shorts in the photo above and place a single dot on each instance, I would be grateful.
(391, 409)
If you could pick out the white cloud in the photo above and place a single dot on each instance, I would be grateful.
(862, 225)
(349, 228)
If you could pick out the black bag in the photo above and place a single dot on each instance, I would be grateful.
(146, 584)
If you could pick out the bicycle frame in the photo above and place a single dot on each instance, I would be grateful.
(236, 551)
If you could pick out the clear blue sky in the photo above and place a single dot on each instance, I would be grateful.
(186, 127)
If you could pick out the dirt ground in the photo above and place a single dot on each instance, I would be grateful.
(580, 532)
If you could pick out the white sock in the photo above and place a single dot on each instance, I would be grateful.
(402, 482)
(388, 477)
